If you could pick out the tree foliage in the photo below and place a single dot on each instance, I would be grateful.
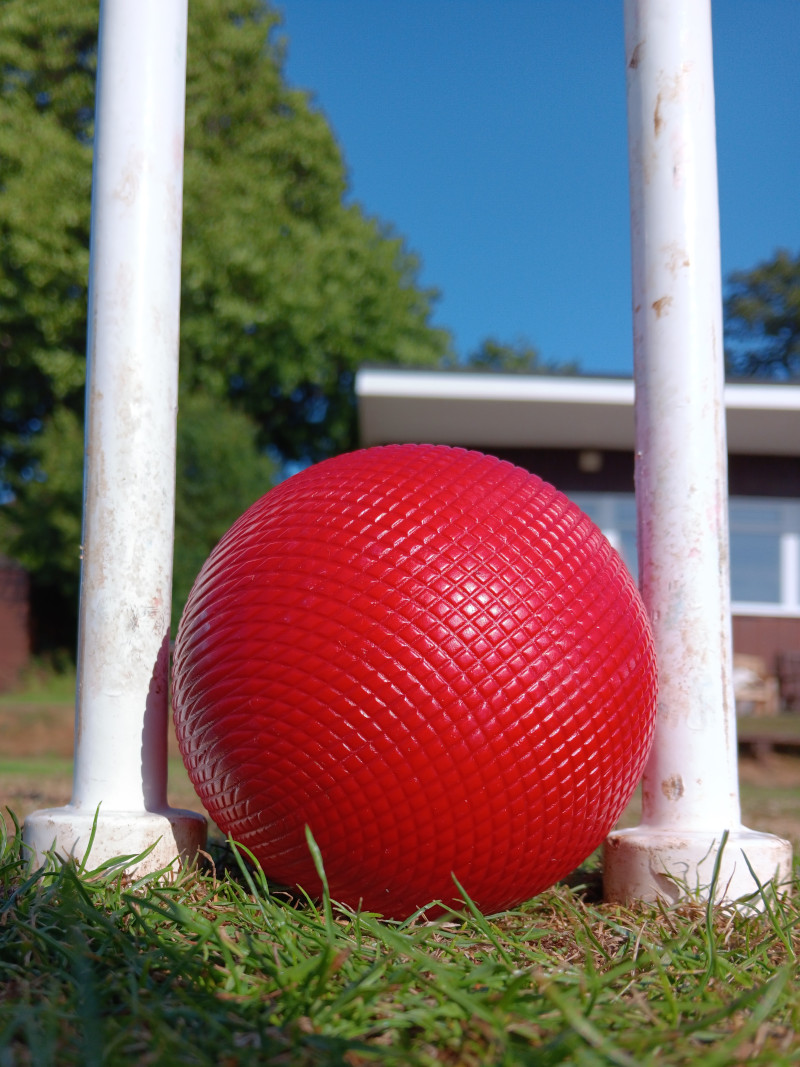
(43, 528)
(762, 320)
(47, 69)
(520, 358)
(286, 286)
(220, 472)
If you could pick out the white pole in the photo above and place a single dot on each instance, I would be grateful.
(690, 787)
(132, 378)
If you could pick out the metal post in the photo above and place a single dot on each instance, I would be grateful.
(132, 376)
(690, 788)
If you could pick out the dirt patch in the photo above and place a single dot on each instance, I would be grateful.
(774, 770)
(770, 790)
(36, 730)
(24, 793)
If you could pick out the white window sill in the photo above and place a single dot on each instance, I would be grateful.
(775, 611)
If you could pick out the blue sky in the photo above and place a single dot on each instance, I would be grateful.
(492, 135)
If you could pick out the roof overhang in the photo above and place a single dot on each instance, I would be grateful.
(535, 411)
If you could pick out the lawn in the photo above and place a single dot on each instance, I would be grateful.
(219, 968)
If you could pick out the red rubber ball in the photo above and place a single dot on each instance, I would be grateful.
(431, 658)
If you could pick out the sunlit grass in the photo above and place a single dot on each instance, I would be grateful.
(43, 683)
(219, 968)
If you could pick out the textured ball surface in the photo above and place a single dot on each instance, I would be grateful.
(430, 657)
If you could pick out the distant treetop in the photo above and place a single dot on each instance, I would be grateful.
(762, 320)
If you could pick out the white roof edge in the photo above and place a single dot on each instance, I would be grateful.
(473, 385)
(772, 396)
(470, 385)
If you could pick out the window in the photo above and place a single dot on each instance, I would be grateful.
(764, 544)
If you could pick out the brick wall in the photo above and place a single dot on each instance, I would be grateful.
(14, 622)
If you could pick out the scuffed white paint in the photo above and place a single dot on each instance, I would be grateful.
(129, 494)
(690, 794)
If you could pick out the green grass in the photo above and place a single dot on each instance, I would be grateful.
(38, 767)
(778, 727)
(219, 969)
(43, 684)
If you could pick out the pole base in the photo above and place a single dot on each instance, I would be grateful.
(649, 864)
(176, 836)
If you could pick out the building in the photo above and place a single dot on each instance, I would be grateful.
(14, 622)
(578, 434)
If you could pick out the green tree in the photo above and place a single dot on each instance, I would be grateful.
(286, 287)
(47, 70)
(762, 320)
(520, 358)
(220, 472)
